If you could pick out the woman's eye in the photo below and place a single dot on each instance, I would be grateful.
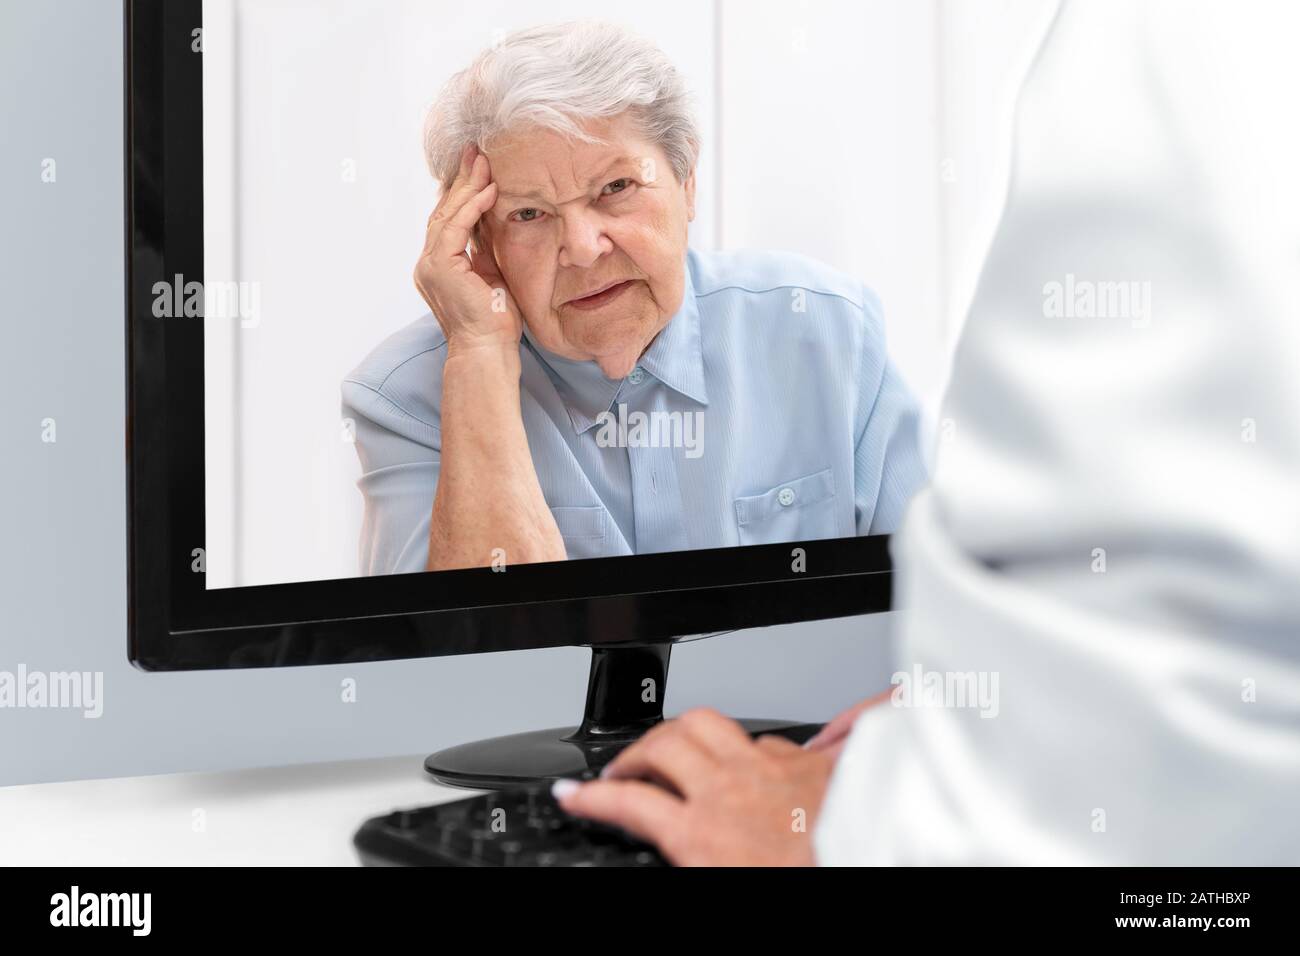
(532, 215)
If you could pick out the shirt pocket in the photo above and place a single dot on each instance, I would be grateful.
(801, 509)
(583, 530)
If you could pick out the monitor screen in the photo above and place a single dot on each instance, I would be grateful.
(678, 336)
(444, 319)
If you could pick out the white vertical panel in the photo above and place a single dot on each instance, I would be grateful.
(829, 136)
(220, 334)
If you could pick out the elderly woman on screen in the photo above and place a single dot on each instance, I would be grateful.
(586, 385)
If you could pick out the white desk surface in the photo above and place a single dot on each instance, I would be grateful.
(300, 815)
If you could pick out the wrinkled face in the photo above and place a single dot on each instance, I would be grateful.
(574, 218)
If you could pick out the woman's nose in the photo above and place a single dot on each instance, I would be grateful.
(583, 240)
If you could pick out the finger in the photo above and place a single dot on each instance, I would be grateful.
(835, 730)
(672, 758)
(454, 234)
(717, 733)
(841, 725)
(461, 188)
(642, 809)
(440, 244)
(719, 736)
(477, 175)
(464, 208)
(779, 746)
(834, 750)
(468, 154)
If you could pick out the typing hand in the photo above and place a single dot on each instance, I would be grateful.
(707, 795)
(831, 738)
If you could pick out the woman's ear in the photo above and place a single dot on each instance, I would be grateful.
(690, 196)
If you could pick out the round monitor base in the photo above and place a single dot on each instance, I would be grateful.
(520, 760)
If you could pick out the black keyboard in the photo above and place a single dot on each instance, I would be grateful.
(517, 827)
(524, 827)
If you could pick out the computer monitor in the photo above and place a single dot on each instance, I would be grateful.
(245, 517)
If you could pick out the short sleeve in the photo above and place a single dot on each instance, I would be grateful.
(400, 457)
(888, 460)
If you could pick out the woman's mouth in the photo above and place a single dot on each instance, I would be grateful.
(601, 298)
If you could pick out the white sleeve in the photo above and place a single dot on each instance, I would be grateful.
(1112, 538)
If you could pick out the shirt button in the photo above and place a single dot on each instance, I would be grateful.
(785, 496)
(636, 376)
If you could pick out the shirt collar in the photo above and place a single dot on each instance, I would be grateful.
(675, 357)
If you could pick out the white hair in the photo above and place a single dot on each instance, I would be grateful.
(555, 77)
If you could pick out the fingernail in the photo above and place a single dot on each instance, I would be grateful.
(564, 787)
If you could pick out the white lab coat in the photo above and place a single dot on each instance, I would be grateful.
(1113, 529)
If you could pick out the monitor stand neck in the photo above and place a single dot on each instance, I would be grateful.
(625, 695)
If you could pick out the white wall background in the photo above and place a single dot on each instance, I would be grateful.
(870, 135)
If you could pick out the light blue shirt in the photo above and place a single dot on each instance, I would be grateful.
(765, 411)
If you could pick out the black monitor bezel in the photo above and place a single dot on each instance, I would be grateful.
(176, 623)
